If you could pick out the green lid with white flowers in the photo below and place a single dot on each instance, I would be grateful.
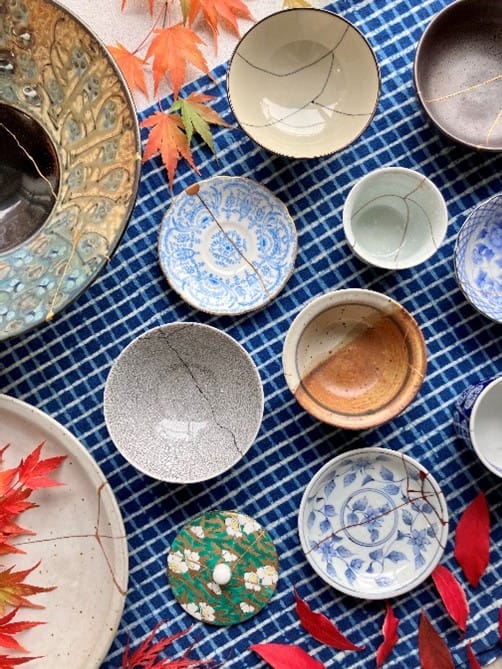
(223, 567)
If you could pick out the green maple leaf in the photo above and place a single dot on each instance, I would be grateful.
(197, 117)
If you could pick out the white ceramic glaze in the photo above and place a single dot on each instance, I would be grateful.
(303, 83)
(79, 540)
(478, 420)
(183, 402)
(354, 358)
(478, 258)
(373, 523)
(227, 245)
(395, 218)
(486, 426)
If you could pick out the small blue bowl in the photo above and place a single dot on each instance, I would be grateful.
(478, 258)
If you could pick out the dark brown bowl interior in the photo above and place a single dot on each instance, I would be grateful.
(458, 72)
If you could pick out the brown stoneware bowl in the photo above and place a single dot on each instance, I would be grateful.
(354, 358)
(458, 72)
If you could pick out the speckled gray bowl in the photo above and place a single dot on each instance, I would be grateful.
(183, 402)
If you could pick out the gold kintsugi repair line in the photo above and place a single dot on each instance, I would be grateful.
(194, 190)
(31, 159)
(493, 126)
(469, 89)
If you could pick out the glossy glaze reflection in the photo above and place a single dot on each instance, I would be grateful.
(29, 177)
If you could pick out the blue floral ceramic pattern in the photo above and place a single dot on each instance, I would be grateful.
(373, 523)
(227, 245)
(478, 258)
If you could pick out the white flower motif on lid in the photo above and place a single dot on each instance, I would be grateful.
(228, 556)
(192, 609)
(201, 611)
(268, 575)
(232, 526)
(181, 562)
(176, 563)
(198, 530)
(214, 587)
(246, 608)
(206, 612)
(192, 559)
(249, 525)
(251, 581)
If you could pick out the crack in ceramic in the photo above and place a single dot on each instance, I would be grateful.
(96, 535)
(167, 336)
(183, 402)
(315, 100)
(406, 199)
(471, 89)
(233, 243)
(58, 74)
(227, 245)
(373, 523)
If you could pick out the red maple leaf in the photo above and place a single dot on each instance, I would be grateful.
(167, 137)
(6, 662)
(172, 49)
(390, 636)
(8, 629)
(131, 67)
(321, 627)
(472, 539)
(32, 471)
(147, 654)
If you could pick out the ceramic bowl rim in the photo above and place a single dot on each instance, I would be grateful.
(272, 295)
(419, 53)
(129, 102)
(253, 368)
(497, 381)
(300, 155)
(332, 298)
(329, 465)
(375, 174)
(469, 296)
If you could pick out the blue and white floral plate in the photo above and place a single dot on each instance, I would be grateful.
(373, 523)
(227, 245)
(478, 258)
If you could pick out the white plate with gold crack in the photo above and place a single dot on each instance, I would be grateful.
(79, 541)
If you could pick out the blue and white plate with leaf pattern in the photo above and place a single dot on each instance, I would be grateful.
(227, 245)
(373, 523)
(478, 258)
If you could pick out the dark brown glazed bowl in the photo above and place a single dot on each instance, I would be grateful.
(458, 73)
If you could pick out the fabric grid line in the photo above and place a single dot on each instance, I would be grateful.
(61, 368)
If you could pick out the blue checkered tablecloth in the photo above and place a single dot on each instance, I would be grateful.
(61, 368)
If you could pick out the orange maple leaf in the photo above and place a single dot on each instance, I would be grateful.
(14, 591)
(217, 11)
(172, 49)
(167, 137)
(131, 67)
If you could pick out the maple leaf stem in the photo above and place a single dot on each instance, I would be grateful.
(160, 15)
